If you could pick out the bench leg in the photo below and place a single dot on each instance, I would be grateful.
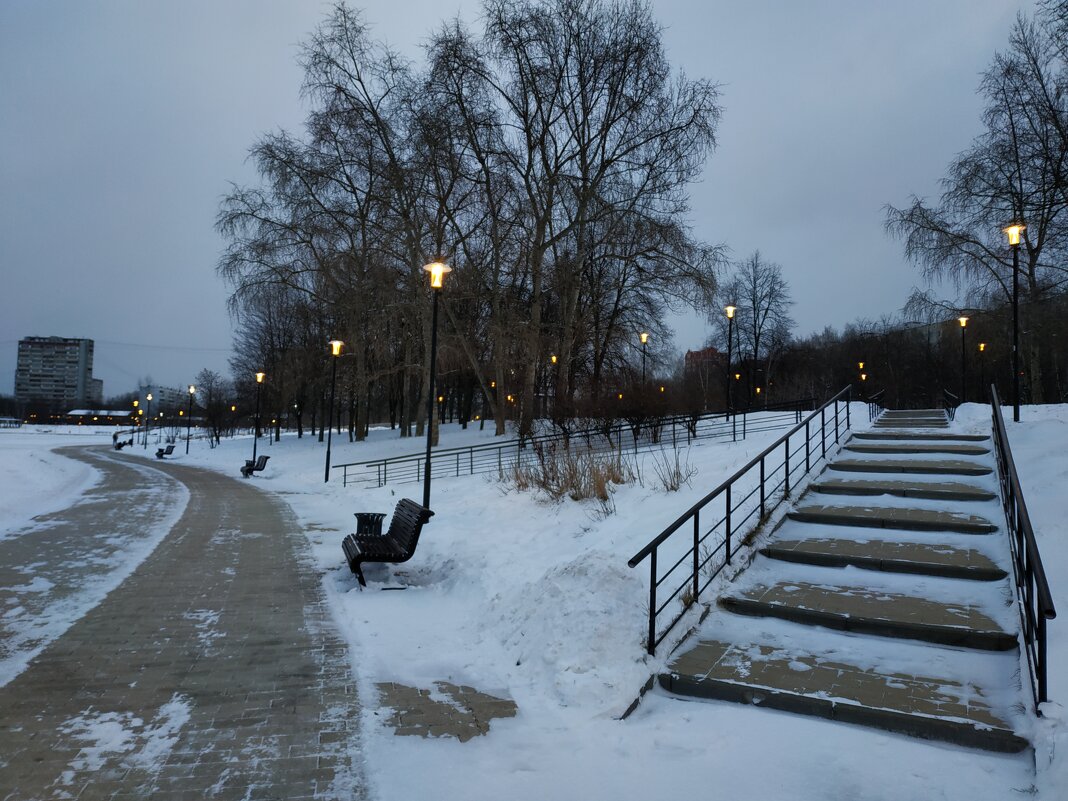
(359, 574)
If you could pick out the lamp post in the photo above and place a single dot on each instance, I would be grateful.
(730, 343)
(256, 423)
(148, 418)
(437, 272)
(1013, 233)
(189, 417)
(963, 358)
(335, 351)
(644, 336)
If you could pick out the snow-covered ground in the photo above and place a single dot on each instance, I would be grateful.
(522, 597)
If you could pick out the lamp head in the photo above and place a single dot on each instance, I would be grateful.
(644, 336)
(982, 346)
(860, 365)
(963, 321)
(1013, 232)
(730, 311)
(148, 396)
(553, 358)
(863, 376)
(260, 377)
(335, 347)
(233, 408)
(437, 272)
(192, 390)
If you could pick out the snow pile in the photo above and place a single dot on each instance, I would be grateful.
(574, 632)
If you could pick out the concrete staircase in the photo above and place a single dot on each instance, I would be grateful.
(882, 599)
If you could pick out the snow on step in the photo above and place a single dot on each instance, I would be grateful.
(949, 467)
(919, 436)
(919, 705)
(888, 555)
(941, 490)
(892, 517)
(874, 611)
(903, 446)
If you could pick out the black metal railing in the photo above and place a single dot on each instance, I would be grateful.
(950, 402)
(1032, 588)
(620, 437)
(875, 405)
(738, 505)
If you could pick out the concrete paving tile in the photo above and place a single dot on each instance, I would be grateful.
(253, 692)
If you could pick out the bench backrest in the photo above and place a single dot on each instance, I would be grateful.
(261, 462)
(407, 522)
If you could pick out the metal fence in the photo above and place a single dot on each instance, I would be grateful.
(621, 437)
(1032, 588)
(739, 504)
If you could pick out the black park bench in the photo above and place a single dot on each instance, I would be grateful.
(161, 452)
(396, 545)
(123, 443)
(251, 468)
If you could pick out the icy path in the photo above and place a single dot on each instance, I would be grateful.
(211, 671)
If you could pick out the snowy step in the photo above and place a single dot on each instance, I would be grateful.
(904, 422)
(888, 556)
(935, 413)
(893, 517)
(951, 467)
(895, 436)
(917, 447)
(781, 678)
(879, 612)
(947, 490)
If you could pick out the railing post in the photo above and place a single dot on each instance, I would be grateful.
(696, 555)
(762, 488)
(786, 473)
(836, 421)
(808, 466)
(1040, 666)
(471, 461)
(727, 538)
(650, 644)
(823, 433)
(849, 398)
(457, 463)
(745, 417)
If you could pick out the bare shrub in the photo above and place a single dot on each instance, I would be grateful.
(672, 471)
(578, 476)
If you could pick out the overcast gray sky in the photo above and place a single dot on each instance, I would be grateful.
(122, 124)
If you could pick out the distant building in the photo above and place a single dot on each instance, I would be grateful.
(56, 371)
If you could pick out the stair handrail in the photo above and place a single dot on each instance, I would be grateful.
(875, 405)
(950, 402)
(1032, 587)
(692, 582)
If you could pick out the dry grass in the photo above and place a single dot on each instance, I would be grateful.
(578, 476)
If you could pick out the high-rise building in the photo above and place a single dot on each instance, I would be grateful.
(56, 371)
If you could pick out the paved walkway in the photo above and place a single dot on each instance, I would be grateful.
(878, 601)
(213, 671)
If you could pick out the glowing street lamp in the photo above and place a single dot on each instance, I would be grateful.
(335, 352)
(1013, 232)
(189, 417)
(256, 430)
(963, 357)
(437, 270)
